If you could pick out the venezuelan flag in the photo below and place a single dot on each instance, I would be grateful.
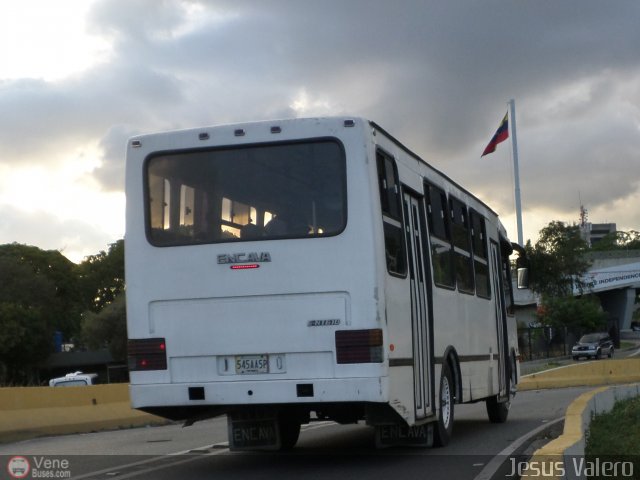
(500, 136)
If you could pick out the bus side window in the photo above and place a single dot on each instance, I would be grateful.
(440, 236)
(462, 246)
(480, 262)
(389, 187)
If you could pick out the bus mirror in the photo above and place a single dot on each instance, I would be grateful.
(523, 278)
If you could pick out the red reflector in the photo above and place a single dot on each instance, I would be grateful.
(359, 346)
(244, 267)
(147, 354)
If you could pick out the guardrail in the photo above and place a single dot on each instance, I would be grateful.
(29, 412)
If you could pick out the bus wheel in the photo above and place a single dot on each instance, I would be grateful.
(444, 426)
(289, 432)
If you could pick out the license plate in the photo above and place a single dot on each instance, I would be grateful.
(252, 364)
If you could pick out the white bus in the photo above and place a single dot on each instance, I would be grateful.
(310, 269)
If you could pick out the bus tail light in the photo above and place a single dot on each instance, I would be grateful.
(147, 354)
(359, 346)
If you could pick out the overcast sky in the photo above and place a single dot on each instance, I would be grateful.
(78, 77)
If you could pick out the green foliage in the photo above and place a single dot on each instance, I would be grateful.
(61, 294)
(618, 241)
(28, 304)
(103, 276)
(42, 292)
(579, 314)
(557, 263)
(557, 260)
(615, 436)
(108, 328)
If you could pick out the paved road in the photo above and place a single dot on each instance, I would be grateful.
(325, 450)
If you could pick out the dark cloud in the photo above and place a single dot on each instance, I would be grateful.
(110, 174)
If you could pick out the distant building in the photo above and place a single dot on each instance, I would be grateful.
(592, 233)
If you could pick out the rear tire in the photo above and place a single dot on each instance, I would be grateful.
(444, 426)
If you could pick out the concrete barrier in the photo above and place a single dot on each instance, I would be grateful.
(29, 412)
(594, 373)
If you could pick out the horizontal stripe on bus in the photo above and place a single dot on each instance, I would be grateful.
(469, 358)
(401, 362)
(408, 362)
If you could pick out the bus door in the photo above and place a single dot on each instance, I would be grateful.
(415, 230)
(501, 318)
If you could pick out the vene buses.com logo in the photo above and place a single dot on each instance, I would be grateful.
(18, 467)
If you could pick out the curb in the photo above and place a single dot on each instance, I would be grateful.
(554, 460)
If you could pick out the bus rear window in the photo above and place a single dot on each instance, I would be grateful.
(254, 192)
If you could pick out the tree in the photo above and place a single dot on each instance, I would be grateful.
(104, 321)
(26, 319)
(103, 276)
(619, 240)
(65, 306)
(557, 263)
(557, 260)
(108, 328)
(42, 292)
(578, 314)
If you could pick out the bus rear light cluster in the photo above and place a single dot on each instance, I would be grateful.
(147, 354)
(359, 346)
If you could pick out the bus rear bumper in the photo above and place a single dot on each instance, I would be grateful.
(260, 392)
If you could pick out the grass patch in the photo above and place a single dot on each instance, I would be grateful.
(615, 436)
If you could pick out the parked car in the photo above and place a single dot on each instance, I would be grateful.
(593, 345)
(635, 326)
(75, 379)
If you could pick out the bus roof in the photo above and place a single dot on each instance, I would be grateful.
(341, 119)
(436, 171)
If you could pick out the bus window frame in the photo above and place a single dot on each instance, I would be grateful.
(185, 151)
(427, 186)
(485, 243)
(386, 216)
(460, 251)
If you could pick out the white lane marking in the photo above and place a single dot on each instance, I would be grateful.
(496, 462)
(202, 451)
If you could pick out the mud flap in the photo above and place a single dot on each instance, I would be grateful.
(253, 433)
(402, 435)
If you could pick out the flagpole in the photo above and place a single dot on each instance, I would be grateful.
(516, 170)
